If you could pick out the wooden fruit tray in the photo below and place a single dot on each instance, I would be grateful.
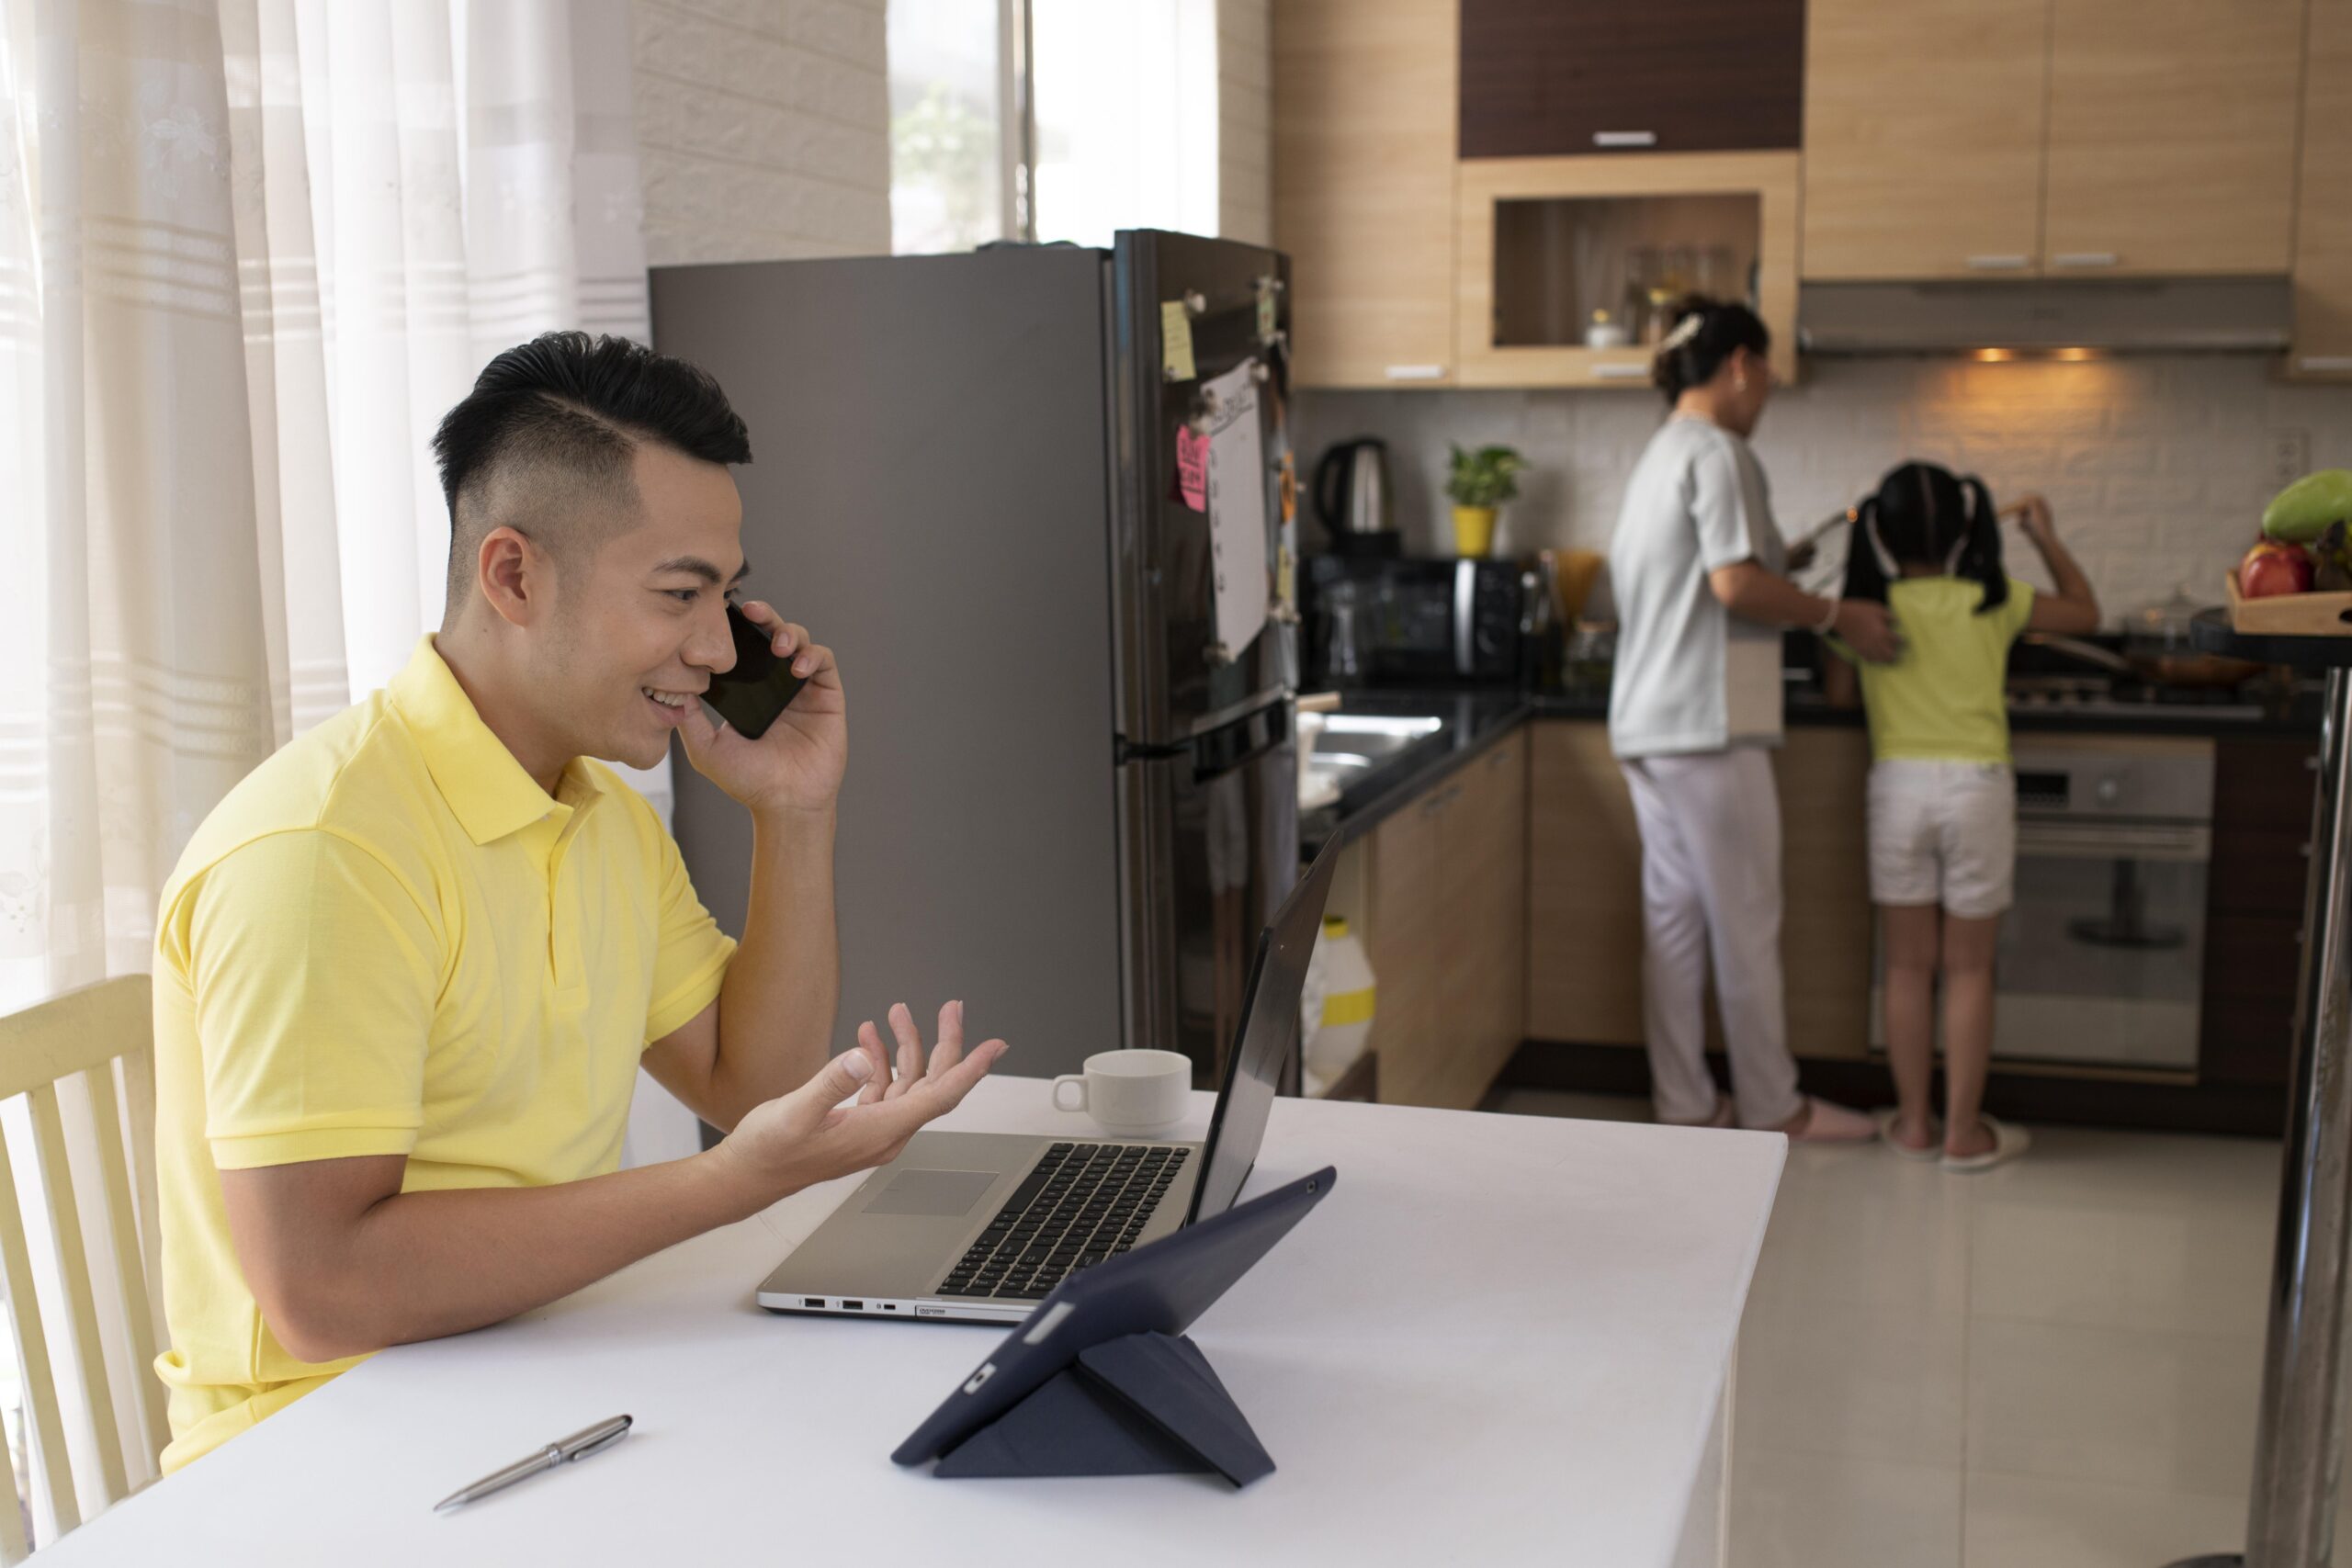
(2289, 614)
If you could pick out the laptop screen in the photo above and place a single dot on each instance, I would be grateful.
(1268, 1034)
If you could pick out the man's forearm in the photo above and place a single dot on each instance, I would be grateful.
(783, 989)
(420, 1265)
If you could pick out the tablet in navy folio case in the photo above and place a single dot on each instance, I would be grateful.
(1099, 1380)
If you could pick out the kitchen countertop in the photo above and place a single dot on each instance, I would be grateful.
(1476, 720)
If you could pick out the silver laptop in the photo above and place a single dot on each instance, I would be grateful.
(976, 1227)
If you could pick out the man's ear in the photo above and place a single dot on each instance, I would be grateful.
(514, 575)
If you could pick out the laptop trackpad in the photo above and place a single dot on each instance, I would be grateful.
(937, 1194)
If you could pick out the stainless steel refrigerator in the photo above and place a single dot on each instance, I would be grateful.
(1067, 803)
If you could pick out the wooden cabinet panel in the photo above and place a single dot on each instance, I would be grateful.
(2323, 345)
(1827, 918)
(1923, 137)
(2172, 136)
(1406, 969)
(1584, 898)
(1557, 76)
(2262, 802)
(1449, 939)
(1364, 106)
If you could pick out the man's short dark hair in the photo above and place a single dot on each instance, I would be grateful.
(543, 442)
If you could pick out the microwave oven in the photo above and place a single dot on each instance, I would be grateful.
(1409, 622)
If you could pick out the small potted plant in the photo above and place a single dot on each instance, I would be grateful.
(1479, 482)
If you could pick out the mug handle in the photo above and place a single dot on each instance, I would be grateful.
(1077, 1078)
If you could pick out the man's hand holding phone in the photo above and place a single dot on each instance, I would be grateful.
(794, 763)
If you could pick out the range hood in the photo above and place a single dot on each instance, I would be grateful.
(2202, 315)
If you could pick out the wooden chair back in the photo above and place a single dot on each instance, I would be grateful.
(106, 1033)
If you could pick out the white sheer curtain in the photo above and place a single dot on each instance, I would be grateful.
(250, 250)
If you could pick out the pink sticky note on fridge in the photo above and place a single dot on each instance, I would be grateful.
(1192, 468)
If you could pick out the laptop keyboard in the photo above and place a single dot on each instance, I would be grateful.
(1083, 1202)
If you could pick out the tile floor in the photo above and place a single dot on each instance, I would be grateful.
(2052, 1365)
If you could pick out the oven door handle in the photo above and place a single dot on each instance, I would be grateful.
(2115, 841)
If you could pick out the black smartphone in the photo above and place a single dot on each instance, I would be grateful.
(760, 687)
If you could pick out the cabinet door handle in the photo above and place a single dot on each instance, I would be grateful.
(2085, 258)
(1414, 372)
(1432, 806)
(1999, 263)
(1606, 372)
(2325, 364)
(1624, 138)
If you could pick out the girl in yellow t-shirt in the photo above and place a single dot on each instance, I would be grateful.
(1942, 797)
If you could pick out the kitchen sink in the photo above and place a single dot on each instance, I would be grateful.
(1351, 749)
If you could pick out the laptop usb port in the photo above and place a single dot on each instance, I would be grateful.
(814, 1303)
(853, 1306)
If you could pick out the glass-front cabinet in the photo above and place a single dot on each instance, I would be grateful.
(1567, 267)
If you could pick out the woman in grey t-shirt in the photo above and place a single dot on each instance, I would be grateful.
(1694, 703)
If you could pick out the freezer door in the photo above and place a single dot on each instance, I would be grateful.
(1172, 683)
(928, 499)
(1213, 837)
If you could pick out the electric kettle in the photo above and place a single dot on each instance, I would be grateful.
(1354, 499)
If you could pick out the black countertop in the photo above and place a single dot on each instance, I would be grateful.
(1475, 720)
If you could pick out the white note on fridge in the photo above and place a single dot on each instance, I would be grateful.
(1237, 552)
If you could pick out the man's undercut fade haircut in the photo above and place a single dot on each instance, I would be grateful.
(543, 442)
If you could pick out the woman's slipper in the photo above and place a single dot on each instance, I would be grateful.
(1932, 1149)
(2008, 1144)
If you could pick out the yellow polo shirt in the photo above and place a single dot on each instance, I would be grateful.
(388, 940)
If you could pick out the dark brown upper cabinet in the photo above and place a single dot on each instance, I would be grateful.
(1543, 77)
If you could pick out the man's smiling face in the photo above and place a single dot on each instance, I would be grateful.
(640, 629)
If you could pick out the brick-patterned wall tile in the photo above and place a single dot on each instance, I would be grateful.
(2157, 467)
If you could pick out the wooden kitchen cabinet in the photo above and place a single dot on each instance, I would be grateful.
(2253, 909)
(2054, 137)
(1543, 241)
(1923, 138)
(2172, 137)
(1543, 77)
(1448, 943)
(1364, 148)
(1584, 971)
(2323, 340)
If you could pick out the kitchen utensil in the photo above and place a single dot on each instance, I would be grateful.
(2158, 642)
(1354, 498)
(1577, 571)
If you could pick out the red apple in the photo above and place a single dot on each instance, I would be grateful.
(2272, 568)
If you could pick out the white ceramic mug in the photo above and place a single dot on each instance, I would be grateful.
(1130, 1092)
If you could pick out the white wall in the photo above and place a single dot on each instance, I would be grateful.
(763, 127)
(2157, 467)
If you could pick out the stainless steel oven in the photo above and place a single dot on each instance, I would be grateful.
(2100, 957)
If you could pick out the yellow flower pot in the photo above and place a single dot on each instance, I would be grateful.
(1473, 530)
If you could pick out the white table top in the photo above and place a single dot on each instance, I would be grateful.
(1499, 1335)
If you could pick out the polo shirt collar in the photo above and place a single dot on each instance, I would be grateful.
(491, 793)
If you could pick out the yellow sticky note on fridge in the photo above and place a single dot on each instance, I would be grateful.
(1176, 342)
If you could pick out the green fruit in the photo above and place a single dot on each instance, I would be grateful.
(2301, 512)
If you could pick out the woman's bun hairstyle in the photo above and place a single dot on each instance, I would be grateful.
(1703, 334)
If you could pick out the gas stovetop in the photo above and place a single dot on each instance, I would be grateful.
(2098, 695)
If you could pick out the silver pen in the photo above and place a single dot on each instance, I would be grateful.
(563, 1450)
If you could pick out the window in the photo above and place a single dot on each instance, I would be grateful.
(1120, 130)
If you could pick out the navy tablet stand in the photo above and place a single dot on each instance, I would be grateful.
(1140, 1404)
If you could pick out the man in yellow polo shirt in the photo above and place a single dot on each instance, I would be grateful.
(406, 972)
